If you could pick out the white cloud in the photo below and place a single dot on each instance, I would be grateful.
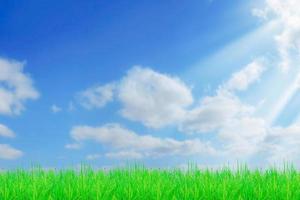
(213, 112)
(119, 138)
(146, 96)
(241, 136)
(282, 144)
(153, 98)
(16, 87)
(55, 109)
(97, 96)
(9, 153)
(93, 156)
(157, 100)
(6, 132)
(124, 155)
(245, 77)
(288, 39)
(237, 128)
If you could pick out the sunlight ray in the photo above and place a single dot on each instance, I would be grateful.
(284, 100)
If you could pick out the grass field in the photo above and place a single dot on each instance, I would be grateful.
(141, 183)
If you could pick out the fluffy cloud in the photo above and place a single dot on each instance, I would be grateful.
(16, 87)
(282, 144)
(146, 96)
(153, 98)
(241, 136)
(97, 96)
(119, 138)
(237, 128)
(288, 39)
(157, 100)
(213, 112)
(6, 132)
(9, 153)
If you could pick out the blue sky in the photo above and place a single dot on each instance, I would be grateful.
(162, 83)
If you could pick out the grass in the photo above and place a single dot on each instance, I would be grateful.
(136, 182)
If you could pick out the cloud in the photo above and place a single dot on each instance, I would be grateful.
(146, 96)
(288, 40)
(248, 75)
(124, 155)
(282, 144)
(16, 87)
(157, 100)
(118, 138)
(241, 136)
(97, 96)
(55, 109)
(153, 98)
(238, 131)
(6, 132)
(213, 112)
(9, 153)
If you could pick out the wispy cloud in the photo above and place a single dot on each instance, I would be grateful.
(97, 96)
(6, 132)
(9, 153)
(116, 137)
(55, 109)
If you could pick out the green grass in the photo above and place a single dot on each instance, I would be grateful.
(142, 183)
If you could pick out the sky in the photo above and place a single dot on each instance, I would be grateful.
(163, 83)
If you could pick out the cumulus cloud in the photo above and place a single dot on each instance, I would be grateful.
(282, 144)
(146, 96)
(9, 153)
(241, 136)
(119, 138)
(97, 96)
(213, 112)
(157, 100)
(16, 87)
(237, 128)
(6, 132)
(153, 98)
